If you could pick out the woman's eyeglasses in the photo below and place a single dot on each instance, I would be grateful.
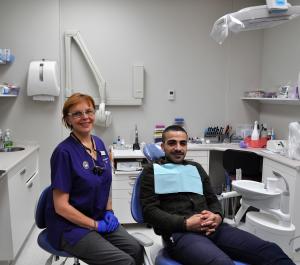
(80, 114)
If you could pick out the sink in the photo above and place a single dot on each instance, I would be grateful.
(12, 149)
(253, 190)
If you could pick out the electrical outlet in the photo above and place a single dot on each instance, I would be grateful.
(171, 94)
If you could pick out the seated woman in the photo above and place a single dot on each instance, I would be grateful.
(79, 217)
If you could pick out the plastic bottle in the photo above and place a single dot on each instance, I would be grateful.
(272, 134)
(119, 142)
(1, 139)
(8, 143)
(255, 133)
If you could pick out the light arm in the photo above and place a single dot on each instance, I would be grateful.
(98, 77)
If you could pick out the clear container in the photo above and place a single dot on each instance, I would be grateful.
(1, 139)
(8, 143)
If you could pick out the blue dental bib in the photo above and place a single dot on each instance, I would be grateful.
(174, 178)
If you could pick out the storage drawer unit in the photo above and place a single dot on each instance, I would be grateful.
(201, 157)
(122, 184)
(19, 190)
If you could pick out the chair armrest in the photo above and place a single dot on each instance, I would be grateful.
(229, 194)
(143, 239)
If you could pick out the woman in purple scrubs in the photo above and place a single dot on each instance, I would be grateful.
(80, 218)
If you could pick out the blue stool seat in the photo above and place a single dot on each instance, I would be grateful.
(164, 258)
(44, 244)
(40, 221)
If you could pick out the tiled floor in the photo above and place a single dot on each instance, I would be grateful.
(32, 254)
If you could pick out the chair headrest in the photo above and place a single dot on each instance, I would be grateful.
(153, 152)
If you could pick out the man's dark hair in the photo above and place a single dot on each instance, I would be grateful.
(173, 127)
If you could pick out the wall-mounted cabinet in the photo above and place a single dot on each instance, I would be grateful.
(285, 101)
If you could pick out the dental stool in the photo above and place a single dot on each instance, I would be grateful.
(42, 239)
(152, 152)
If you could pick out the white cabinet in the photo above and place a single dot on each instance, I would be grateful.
(123, 178)
(19, 189)
(201, 157)
(122, 185)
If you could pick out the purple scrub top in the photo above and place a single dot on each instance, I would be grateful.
(72, 172)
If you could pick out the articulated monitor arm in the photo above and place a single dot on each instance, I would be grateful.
(79, 41)
(103, 117)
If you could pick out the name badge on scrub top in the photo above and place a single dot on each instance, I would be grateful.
(173, 178)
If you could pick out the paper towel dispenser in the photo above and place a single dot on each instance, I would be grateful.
(42, 81)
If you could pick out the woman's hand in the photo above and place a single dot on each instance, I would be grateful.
(111, 221)
(102, 227)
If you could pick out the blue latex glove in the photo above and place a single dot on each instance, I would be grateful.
(111, 221)
(102, 227)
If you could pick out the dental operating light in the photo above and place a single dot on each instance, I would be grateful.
(274, 13)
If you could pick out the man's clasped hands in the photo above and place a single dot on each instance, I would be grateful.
(204, 222)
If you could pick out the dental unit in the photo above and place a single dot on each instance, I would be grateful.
(273, 221)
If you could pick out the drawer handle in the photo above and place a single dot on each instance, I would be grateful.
(132, 177)
(29, 182)
(23, 171)
(131, 183)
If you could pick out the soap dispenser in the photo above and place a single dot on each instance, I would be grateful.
(255, 133)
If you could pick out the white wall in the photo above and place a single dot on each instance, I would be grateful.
(281, 65)
(170, 37)
(31, 29)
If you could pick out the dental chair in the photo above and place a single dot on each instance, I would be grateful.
(42, 239)
(152, 152)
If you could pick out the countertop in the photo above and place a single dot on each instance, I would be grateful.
(295, 164)
(8, 160)
(260, 151)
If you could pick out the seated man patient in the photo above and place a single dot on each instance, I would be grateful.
(80, 218)
(178, 201)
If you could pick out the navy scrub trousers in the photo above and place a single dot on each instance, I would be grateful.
(220, 248)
